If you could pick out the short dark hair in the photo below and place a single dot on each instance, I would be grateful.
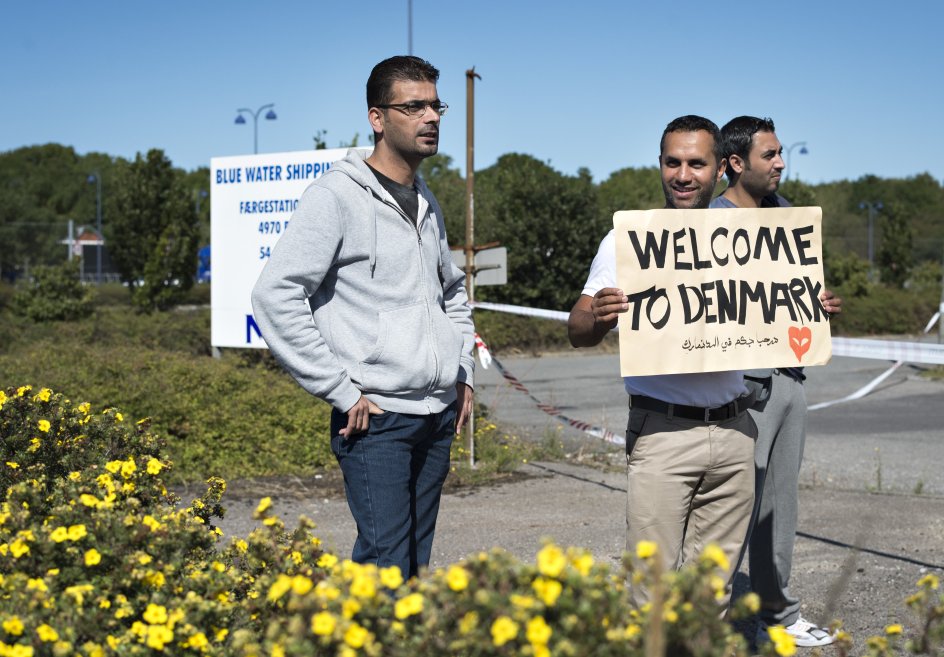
(406, 68)
(693, 123)
(737, 137)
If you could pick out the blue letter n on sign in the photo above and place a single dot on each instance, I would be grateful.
(250, 327)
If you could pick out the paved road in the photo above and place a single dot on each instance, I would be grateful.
(891, 440)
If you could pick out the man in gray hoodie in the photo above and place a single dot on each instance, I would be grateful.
(362, 304)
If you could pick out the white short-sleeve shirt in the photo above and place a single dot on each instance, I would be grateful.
(706, 389)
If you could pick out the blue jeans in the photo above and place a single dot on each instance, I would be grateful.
(393, 478)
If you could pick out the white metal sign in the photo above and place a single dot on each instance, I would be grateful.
(252, 199)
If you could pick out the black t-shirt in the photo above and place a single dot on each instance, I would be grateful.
(405, 196)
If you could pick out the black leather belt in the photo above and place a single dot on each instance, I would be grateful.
(699, 414)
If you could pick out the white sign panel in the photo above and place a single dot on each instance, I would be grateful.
(252, 199)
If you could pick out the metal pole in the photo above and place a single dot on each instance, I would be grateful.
(409, 26)
(470, 76)
(71, 239)
(940, 308)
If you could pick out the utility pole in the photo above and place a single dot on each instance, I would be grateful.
(470, 76)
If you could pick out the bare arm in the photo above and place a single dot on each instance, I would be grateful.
(592, 318)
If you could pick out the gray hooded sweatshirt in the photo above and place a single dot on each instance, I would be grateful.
(356, 299)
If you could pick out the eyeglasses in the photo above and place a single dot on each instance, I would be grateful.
(417, 108)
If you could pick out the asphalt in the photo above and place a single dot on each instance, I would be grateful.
(871, 502)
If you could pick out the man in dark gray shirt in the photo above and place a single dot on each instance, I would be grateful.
(754, 166)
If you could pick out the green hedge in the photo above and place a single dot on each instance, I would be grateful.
(223, 417)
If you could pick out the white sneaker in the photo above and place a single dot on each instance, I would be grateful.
(805, 634)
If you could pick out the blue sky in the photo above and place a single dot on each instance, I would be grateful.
(575, 84)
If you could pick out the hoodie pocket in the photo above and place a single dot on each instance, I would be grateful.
(401, 360)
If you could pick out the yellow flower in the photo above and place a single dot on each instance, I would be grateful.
(670, 615)
(197, 641)
(391, 577)
(551, 560)
(242, 545)
(47, 634)
(128, 468)
(13, 465)
(155, 614)
(301, 585)
(582, 562)
(3, 398)
(457, 578)
(154, 466)
(538, 631)
(355, 636)
(715, 555)
(158, 636)
(13, 626)
(522, 601)
(18, 548)
(893, 629)
(363, 586)
(322, 623)
(277, 650)
(468, 623)
(752, 602)
(547, 590)
(84, 408)
(151, 522)
(407, 606)
(631, 630)
(503, 630)
(22, 390)
(75, 476)
(646, 549)
(43, 426)
(43, 395)
(350, 607)
(145, 559)
(92, 557)
(155, 578)
(113, 466)
(280, 587)
(264, 505)
(77, 532)
(784, 644)
(119, 417)
(327, 561)
(59, 534)
(37, 584)
(930, 581)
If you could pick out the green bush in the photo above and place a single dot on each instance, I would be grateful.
(504, 333)
(54, 294)
(98, 560)
(885, 311)
(221, 416)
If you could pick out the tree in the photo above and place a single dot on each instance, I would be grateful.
(631, 189)
(550, 224)
(448, 185)
(895, 257)
(54, 294)
(153, 236)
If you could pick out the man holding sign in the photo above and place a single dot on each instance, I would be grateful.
(689, 441)
(754, 165)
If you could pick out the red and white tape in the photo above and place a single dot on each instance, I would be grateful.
(550, 409)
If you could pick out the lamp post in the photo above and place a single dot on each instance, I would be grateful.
(803, 151)
(873, 207)
(240, 120)
(96, 177)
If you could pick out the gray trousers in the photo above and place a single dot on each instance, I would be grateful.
(781, 434)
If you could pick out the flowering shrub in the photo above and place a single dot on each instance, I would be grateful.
(97, 559)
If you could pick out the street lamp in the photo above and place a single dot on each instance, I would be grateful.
(240, 120)
(96, 178)
(803, 151)
(873, 207)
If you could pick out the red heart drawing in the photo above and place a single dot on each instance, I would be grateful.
(800, 340)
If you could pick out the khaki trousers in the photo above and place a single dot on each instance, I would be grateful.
(690, 484)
